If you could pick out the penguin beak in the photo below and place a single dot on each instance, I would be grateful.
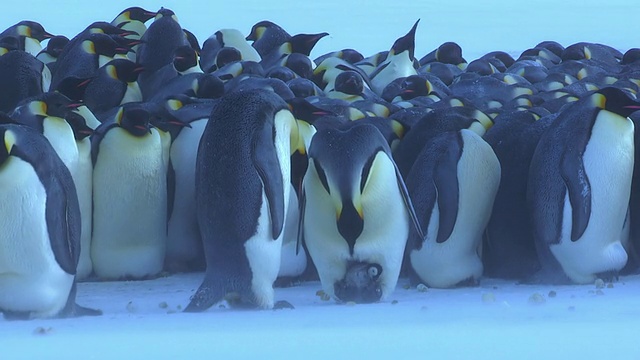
(74, 106)
(47, 35)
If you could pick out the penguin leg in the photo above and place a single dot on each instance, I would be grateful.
(209, 293)
(15, 315)
(72, 309)
(282, 304)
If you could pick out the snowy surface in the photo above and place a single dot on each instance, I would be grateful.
(497, 320)
(578, 323)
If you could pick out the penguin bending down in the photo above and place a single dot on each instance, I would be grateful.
(347, 232)
(40, 238)
(242, 194)
(453, 184)
(579, 188)
(129, 196)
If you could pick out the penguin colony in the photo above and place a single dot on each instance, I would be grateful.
(131, 150)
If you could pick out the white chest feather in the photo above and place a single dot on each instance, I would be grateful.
(30, 277)
(397, 66)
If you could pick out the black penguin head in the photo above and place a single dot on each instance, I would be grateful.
(414, 86)
(79, 125)
(103, 27)
(135, 13)
(135, 119)
(450, 53)
(55, 45)
(9, 43)
(302, 109)
(406, 43)
(58, 104)
(193, 41)
(631, 56)
(304, 43)
(349, 82)
(258, 30)
(618, 101)
(300, 64)
(33, 29)
(226, 55)
(302, 88)
(73, 87)
(283, 73)
(164, 12)
(209, 87)
(124, 70)
(184, 58)
(162, 119)
(342, 160)
(351, 56)
(100, 44)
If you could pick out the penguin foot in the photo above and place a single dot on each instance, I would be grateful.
(79, 310)
(286, 282)
(469, 282)
(16, 315)
(282, 304)
(609, 276)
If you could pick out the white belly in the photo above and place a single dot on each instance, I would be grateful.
(130, 206)
(84, 188)
(609, 151)
(183, 239)
(292, 264)
(399, 66)
(458, 258)
(30, 278)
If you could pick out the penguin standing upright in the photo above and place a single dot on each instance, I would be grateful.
(31, 34)
(347, 232)
(40, 238)
(21, 76)
(577, 207)
(399, 62)
(184, 244)
(242, 189)
(129, 196)
(453, 183)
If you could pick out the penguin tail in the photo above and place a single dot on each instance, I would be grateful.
(208, 294)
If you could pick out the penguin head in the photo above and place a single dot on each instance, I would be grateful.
(209, 86)
(103, 27)
(360, 283)
(631, 56)
(9, 43)
(58, 105)
(300, 64)
(349, 82)
(343, 161)
(73, 87)
(9, 138)
(135, 119)
(616, 100)
(302, 87)
(184, 58)
(134, 13)
(124, 70)
(33, 30)
(304, 43)
(55, 45)
(192, 40)
(282, 73)
(226, 55)
(406, 43)
(79, 125)
(260, 28)
(414, 86)
(166, 13)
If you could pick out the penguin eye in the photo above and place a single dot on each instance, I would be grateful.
(373, 271)
(365, 171)
(322, 176)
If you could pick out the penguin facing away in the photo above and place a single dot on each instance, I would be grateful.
(577, 208)
(242, 197)
(348, 234)
(46, 226)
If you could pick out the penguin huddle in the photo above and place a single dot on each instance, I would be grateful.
(130, 150)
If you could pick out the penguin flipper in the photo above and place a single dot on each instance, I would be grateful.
(265, 161)
(408, 204)
(445, 179)
(63, 224)
(97, 137)
(301, 208)
(575, 178)
(171, 190)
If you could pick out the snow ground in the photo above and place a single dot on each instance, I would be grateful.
(497, 320)
(437, 324)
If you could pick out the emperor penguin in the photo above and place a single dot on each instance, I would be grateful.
(114, 84)
(129, 196)
(355, 213)
(453, 183)
(579, 188)
(184, 243)
(32, 32)
(267, 36)
(133, 19)
(399, 62)
(22, 76)
(242, 195)
(40, 221)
